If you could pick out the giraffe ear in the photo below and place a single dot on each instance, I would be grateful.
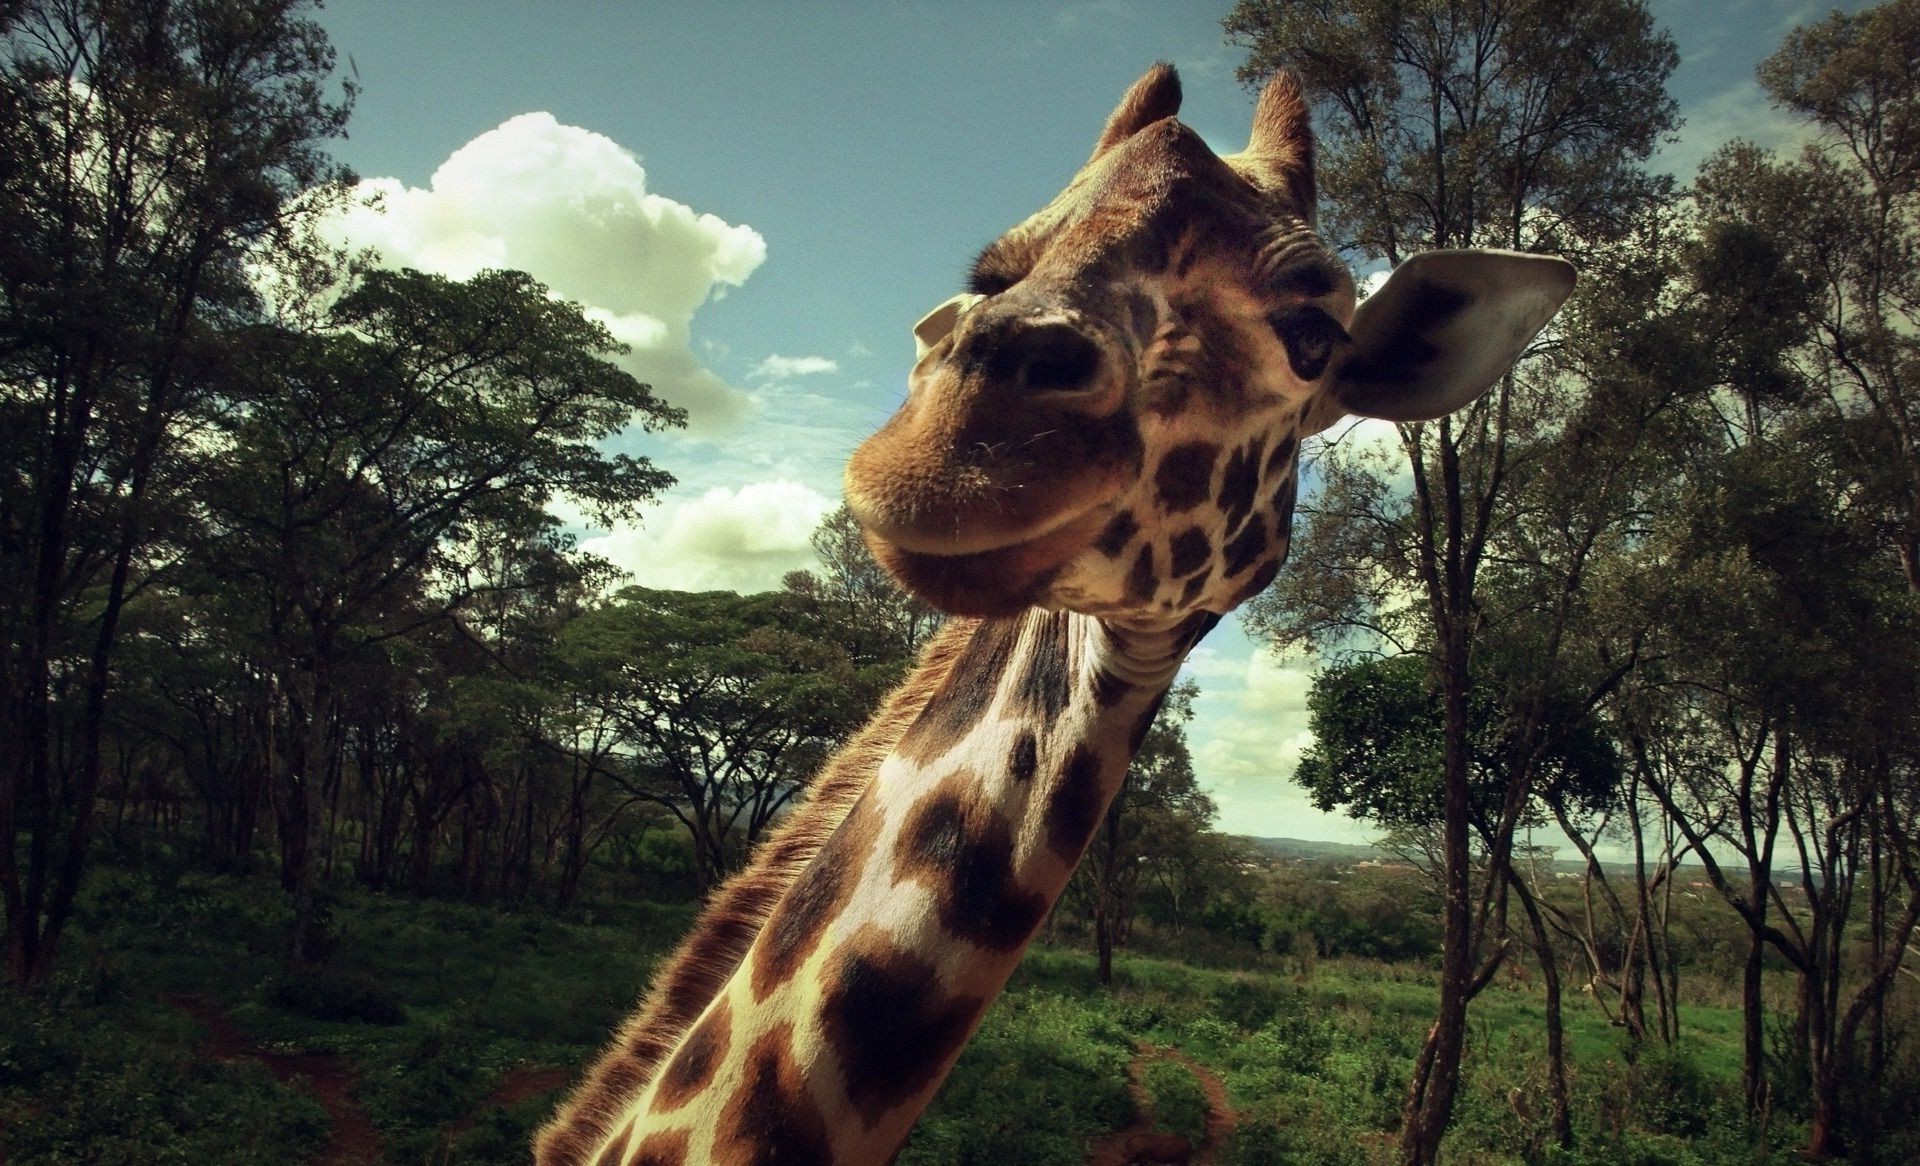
(1279, 155)
(1443, 329)
(1154, 96)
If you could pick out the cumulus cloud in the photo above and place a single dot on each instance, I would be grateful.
(724, 540)
(1250, 729)
(572, 208)
(777, 367)
(1740, 111)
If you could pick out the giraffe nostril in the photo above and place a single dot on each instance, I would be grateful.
(1054, 358)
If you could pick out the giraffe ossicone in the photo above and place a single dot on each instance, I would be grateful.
(1097, 458)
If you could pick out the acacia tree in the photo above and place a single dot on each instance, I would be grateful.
(724, 705)
(151, 150)
(375, 457)
(1450, 124)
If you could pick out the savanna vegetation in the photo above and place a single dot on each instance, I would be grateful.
(345, 805)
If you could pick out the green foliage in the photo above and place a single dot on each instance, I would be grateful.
(88, 1073)
(1378, 750)
(326, 994)
(1179, 1100)
(1044, 1073)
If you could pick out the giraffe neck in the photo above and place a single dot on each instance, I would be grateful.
(878, 960)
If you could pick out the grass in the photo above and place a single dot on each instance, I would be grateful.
(454, 995)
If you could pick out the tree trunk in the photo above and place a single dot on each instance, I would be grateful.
(1556, 1040)
(1753, 1044)
(1436, 1075)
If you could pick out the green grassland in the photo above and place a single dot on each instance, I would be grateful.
(429, 1006)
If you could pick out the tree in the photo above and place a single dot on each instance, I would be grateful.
(1154, 823)
(1856, 78)
(883, 621)
(724, 705)
(1450, 124)
(376, 462)
(152, 151)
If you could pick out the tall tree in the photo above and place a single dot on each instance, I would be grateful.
(1450, 123)
(377, 463)
(1855, 77)
(151, 150)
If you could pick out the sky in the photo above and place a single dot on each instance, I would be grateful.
(761, 197)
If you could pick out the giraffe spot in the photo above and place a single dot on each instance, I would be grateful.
(1026, 758)
(1142, 582)
(891, 1025)
(1242, 552)
(1260, 581)
(1195, 586)
(662, 1149)
(1281, 455)
(770, 1120)
(963, 698)
(1108, 688)
(614, 1153)
(692, 1068)
(1283, 502)
(960, 848)
(1185, 476)
(1042, 687)
(1075, 804)
(1119, 532)
(1189, 551)
(1239, 482)
(816, 897)
(1141, 727)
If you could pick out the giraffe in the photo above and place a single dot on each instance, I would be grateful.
(1096, 459)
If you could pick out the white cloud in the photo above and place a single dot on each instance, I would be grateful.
(1249, 730)
(1738, 111)
(781, 367)
(571, 208)
(725, 540)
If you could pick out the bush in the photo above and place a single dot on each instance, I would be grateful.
(1179, 1101)
(1043, 1074)
(325, 994)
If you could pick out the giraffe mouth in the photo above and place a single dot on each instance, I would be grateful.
(1003, 581)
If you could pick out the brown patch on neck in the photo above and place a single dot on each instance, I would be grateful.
(968, 691)
(960, 847)
(816, 898)
(893, 1028)
(733, 918)
(693, 1066)
(771, 1121)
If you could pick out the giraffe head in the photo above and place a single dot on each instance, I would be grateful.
(1109, 420)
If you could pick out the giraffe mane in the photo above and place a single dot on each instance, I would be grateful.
(736, 914)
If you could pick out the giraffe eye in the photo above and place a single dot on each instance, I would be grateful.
(1310, 336)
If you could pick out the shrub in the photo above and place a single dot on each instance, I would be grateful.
(326, 994)
(1179, 1101)
(1043, 1075)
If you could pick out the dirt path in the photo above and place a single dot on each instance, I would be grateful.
(515, 1086)
(354, 1141)
(1140, 1145)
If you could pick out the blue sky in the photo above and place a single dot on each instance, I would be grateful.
(762, 197)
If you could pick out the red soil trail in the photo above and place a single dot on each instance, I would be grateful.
(1140, 1145)
(354, 1141)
